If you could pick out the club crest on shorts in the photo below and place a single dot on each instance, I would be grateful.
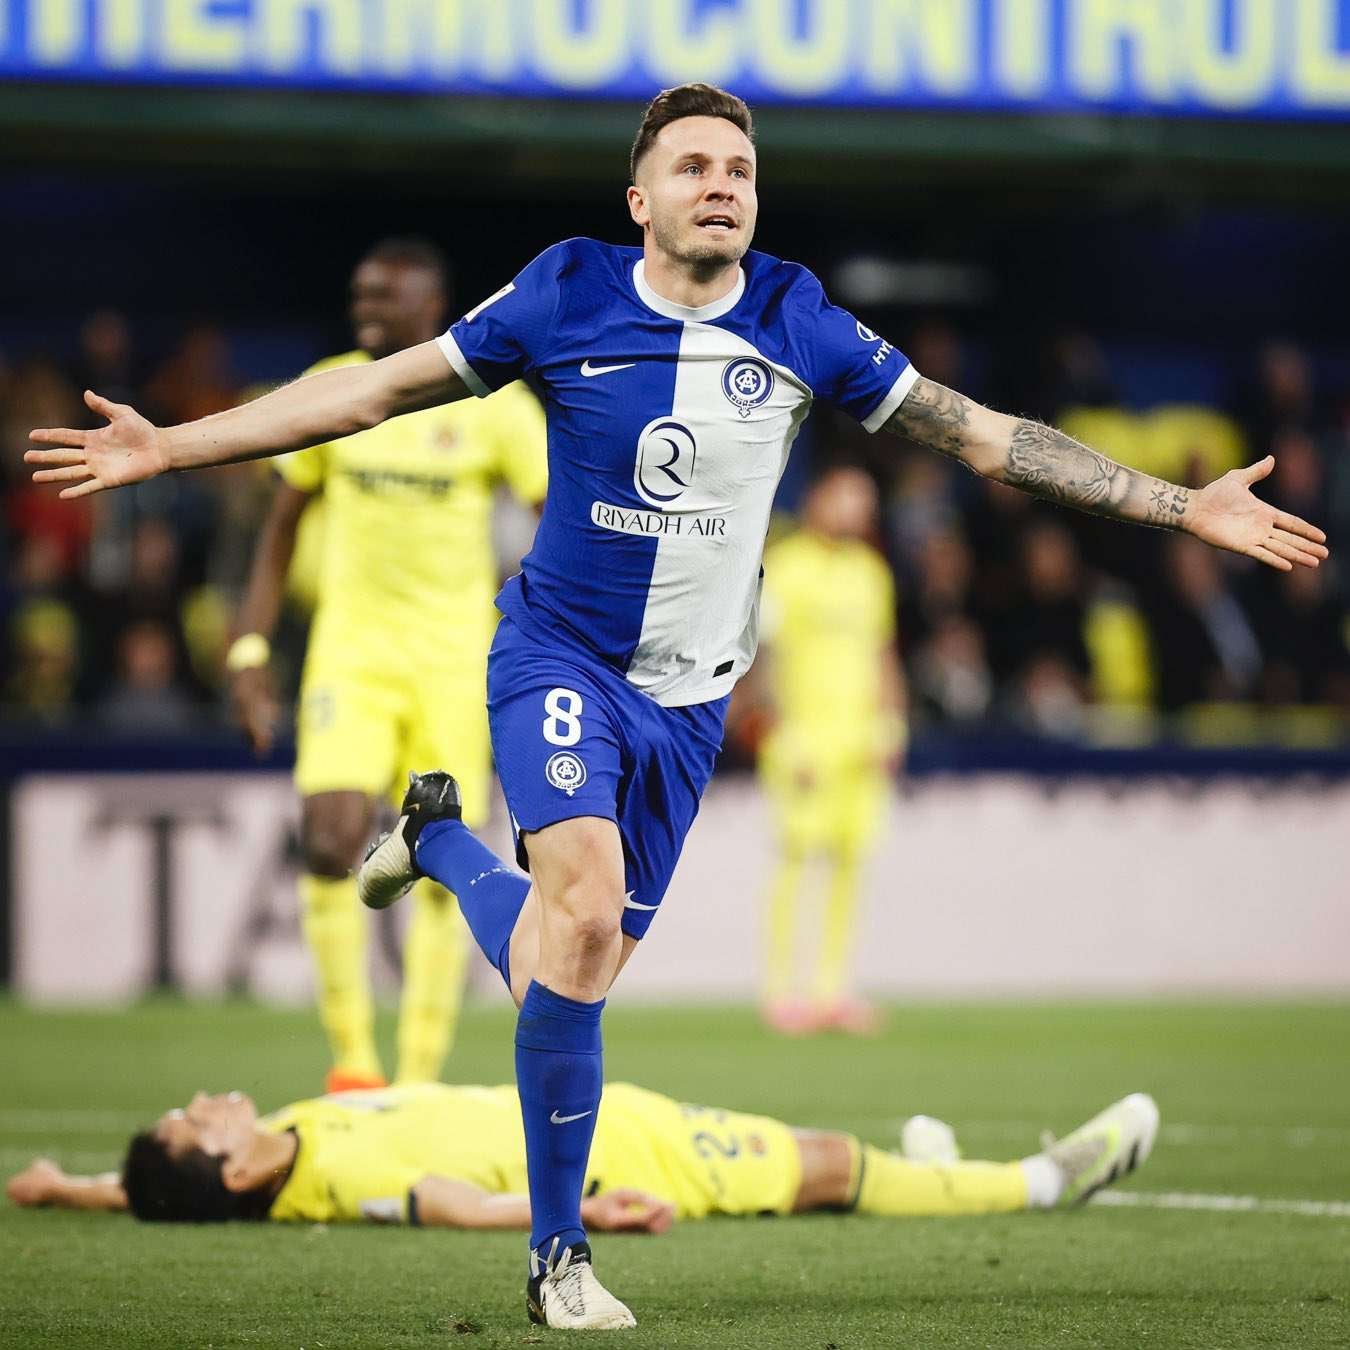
(565, 772)
(747, 383)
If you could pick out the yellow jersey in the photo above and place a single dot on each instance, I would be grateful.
(360, 1154)
(828, 616)
(407, 550)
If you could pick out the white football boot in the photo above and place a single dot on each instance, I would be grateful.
(563, 1292)
(1110, 1146)
(925, 1139)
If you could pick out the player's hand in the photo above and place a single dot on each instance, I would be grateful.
(627, 1211)
(254, 701)
(38, 1184)
(1228, 515)
(128, 450)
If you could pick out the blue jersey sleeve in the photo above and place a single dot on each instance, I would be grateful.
(501, 339)
(849, 365)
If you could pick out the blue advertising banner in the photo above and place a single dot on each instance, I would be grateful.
(1266, 58)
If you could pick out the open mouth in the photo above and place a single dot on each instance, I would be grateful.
(717, 224)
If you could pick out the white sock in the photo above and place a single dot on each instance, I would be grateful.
(1045, 1181)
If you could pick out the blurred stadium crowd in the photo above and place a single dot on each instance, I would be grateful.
(116, 609)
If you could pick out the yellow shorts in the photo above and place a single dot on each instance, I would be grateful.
(362, 730)
(703, 1160)
(827, 806)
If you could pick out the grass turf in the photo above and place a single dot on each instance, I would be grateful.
(1266, 1087)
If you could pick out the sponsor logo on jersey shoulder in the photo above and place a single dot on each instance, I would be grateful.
(747, 383)
(879, 356)
(666, 454)
(565, 772)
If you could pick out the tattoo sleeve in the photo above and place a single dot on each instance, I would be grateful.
(935, 416)
(1035, 458)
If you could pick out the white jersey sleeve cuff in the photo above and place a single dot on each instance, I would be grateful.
(876, 419)
(450, 350)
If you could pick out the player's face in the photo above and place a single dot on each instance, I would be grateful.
(219, 1125)
(696, 192)
(394, 306)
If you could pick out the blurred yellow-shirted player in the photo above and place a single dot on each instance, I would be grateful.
(394, 676)
(834, 684)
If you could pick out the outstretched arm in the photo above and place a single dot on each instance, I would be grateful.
(43, 1182)
(318, 408)
(445, 1203)
(1047, 463)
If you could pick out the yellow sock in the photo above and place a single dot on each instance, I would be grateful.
(893, 1186)
(435, 955)
(781, 930)
(335, 928)
(839, 927)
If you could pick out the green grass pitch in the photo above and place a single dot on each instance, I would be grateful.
(1255, 1102)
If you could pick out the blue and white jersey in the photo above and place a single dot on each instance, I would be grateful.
(668, 430)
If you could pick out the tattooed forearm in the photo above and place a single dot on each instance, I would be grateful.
(1167, 504)
(934, 416)
(1049, 464)
(1035, 458)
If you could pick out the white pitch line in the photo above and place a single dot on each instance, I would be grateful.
(1222, 1204)
(70, 1120)
(12, 1159)
(1293, 1136)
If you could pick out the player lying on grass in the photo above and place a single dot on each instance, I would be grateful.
(454, 1157)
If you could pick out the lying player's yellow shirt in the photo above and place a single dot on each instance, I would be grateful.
(408, 569)
(829, 614)
(360, 1154)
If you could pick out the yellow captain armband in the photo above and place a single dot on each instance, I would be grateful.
(248, 653)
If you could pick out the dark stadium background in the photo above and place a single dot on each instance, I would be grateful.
(1018, 243)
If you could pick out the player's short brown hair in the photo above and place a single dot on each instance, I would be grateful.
(687, 100)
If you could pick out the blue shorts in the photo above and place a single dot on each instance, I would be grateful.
(571, 737)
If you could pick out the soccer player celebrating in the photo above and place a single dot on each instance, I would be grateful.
(454, 1157)
(833, 688)
(675, 378)
(406, 561)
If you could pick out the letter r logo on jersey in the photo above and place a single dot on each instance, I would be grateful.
(666, 452)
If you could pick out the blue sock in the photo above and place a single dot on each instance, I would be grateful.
(559, 1074)
(490, 893)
